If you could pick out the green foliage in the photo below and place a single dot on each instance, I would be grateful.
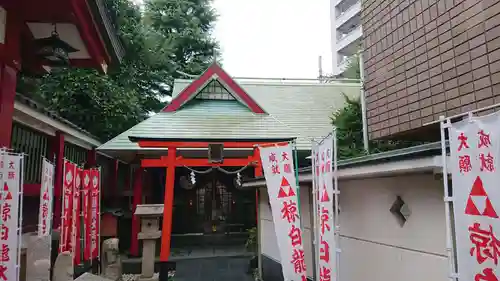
(166, 37)
(348, 121)
(352, 71)
(251, 243)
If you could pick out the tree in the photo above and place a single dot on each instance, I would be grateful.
(352, 70)
(169, 36)
(349, 124)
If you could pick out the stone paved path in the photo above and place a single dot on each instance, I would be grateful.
(213, 269)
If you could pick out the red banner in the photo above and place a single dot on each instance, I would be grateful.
(95, 214)
(68, 186)
(86, 214)
(75, 238)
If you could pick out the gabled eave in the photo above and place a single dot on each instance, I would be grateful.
(214, 72)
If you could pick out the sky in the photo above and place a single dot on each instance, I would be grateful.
(273, 38)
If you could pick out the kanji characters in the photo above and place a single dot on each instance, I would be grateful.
(272, 157)
(464, 163)
(325, 274)
(4, 232)
(287, 168)
(11, 175)
(463, 142)
(487, 275)
(486, 245)
(295, 235)
(4, 253)
(289, 211)
(484, 139)
(275, 168)
(298, 261)
(325, 216)
(284, 156)
(3, 271)
(6, 212)
(486, 162)
(324, 250)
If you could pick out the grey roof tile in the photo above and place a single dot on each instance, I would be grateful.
(295, 110)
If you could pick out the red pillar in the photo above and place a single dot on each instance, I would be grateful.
(137, 199)
(57, 153)
(258, 173)
(168, 205)
(10, 62)
(91, 158)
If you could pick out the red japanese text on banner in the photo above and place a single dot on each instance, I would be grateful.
(95, 207)
(277, 163)
(9, 198)
(46, 198)
(475, 146)
(86, 215)
(68, 186)
(326, 249)
(75, 222)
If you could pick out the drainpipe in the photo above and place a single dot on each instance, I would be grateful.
(363, 103)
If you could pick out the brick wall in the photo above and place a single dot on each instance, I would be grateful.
(426, 58)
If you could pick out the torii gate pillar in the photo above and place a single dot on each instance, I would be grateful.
(168, 205)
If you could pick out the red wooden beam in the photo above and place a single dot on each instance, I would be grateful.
(181, 144)
(168, 206)
(181, 162)
(90, 35)
(258, 167)
(92, 158)
(114, 165)
(8, 81)
(58, 151)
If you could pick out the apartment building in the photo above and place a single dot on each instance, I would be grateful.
(346, 32)
(426, 58)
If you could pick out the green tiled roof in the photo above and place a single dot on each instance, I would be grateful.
(295, 110)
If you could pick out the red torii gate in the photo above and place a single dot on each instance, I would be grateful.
(171, 161)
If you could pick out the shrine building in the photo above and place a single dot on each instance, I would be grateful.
(193, 155)
(36, 38)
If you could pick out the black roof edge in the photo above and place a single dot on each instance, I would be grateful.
(429, 149)
(51, 114)
(214, 140)
(108, 30)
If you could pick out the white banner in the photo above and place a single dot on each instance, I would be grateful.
(9, 229)
(325, 224)
(475, 146)
(46, 199)
(277, 163)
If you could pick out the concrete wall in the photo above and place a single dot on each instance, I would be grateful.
(374, 245)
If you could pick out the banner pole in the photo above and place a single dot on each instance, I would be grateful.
(20, 214)
(445, 125)
(99, 216)
(315, 212)
(297, 182)
(3, 170)
(336, 211)
(63, 203)
(51, 205)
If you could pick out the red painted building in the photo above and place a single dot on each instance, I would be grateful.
(209, 133)
(37, 37)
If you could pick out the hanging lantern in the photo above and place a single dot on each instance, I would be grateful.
(54, 50)
(192, 176)
(237, 181)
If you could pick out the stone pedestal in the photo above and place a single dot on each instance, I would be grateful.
(111, 261)
(149, 216)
